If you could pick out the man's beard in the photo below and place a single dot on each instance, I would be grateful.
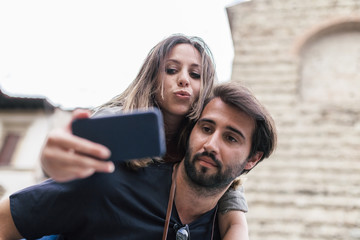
(206, 182)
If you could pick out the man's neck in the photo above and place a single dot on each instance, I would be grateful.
(192, 202)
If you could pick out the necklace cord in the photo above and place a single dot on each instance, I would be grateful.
(170, 203)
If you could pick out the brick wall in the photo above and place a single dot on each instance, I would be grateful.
(310, 187)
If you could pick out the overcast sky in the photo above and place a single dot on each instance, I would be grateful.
(81, 53)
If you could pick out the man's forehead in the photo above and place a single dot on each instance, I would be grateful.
(223, 113)
(214, 105)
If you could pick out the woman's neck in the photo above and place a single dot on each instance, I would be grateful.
(172, 124)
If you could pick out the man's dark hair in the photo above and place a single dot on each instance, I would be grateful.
(264, 137)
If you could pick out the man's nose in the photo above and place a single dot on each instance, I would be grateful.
(212, 144)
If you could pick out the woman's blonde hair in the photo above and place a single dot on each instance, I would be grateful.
(141, 92)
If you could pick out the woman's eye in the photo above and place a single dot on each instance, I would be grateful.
(170, 71)
(195, 75)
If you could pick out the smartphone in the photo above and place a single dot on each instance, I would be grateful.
(134, 135)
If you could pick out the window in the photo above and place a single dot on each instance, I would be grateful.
(330, 66)
(8, 148)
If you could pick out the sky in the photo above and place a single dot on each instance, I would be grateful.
(81, 53)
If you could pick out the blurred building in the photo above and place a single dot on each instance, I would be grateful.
(302, 60)
(24, 124)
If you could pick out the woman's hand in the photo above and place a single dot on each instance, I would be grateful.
(67, 157)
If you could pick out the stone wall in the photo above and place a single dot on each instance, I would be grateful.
(310, 187)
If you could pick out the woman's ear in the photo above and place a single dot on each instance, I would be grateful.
(253, 160)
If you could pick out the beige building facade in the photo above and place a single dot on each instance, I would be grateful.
(24, 125)
(302, 60)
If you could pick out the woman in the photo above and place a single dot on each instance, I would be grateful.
(177, 76)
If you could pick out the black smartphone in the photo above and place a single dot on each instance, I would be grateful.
(134, 135)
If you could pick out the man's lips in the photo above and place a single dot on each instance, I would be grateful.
(207, 161)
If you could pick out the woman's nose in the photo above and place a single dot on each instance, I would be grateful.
(183, 80)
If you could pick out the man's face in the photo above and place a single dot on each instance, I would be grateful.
(219, 146)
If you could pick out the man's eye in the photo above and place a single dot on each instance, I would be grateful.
(231, 139)
(195, 75)
(206, 129)
(170, 71)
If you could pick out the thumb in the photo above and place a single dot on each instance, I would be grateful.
(78, 114)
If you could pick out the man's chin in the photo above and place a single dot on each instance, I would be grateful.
(206, 174)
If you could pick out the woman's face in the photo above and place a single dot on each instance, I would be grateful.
(181, 79)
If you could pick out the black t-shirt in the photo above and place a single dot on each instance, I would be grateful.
(125, 204)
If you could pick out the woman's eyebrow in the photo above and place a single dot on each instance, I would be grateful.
(170, 60)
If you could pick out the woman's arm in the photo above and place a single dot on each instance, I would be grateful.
(232, 209)
(66, 157)
(233, 225)
(7, 226)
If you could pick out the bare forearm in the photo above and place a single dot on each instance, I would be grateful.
(233, 225)
(8, 230)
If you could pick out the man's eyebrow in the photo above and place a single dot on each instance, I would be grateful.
(207, 120)
(236, 131)
(228, 127)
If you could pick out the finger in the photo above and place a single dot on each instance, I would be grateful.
(100, 166)
(65, 165)
(85, 169)
(72, 174)
(68, 141)
(83, 162)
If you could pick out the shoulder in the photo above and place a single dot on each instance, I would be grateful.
(155, 176)
(107, 111)
(155, 170)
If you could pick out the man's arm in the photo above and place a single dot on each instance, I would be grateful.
(7, 226)
(233, 225)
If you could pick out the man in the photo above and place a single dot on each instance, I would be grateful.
(233, 134)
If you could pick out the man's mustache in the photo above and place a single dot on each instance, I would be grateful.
(210, 155)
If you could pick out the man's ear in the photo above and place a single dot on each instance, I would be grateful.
(253, 160)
